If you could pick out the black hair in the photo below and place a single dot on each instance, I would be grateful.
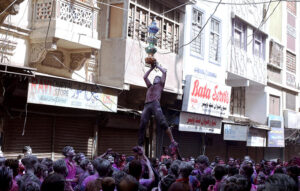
(32, 186)
(128, 183)
(84, 163)
(206, 180)
(166, 182)
(26, 148)
(237, 183)
(30, 162)
(108, 184)
(40, 169)
(202, 159)
(118, 175)
(29, 182)
(77, 158)
(185, 169)
(280, 182)
(220, 171)
(104, 168)
(5, 178)
(135, 169)
(49, 163)
(66, 149)
(175, 168)
(232, 170)
(60, 167)
(14, 165)
(53, 182)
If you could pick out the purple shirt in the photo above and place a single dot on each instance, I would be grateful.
(71, 169)
(89, 179)
(146, 182)
(154, 92)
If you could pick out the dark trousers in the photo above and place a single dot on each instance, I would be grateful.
(152, 108)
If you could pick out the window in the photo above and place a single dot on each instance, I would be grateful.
(237, 102)
(290, 62)
(140, 16)
(239, 34)
(258, 45)
(290, 101)
(274, 105)
(276, 54)
(214, 50)
(196, 46)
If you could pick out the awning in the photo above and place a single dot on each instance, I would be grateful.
(17, 70)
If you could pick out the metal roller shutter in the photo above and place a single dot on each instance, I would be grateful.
(75, 132)
(38, 135)
(120, 140)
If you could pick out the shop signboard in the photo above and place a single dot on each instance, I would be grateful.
(199, 123)
(70, 94)
(204, 97)
(276, 134)
(256, 138)
(235, 132)
(291, 119)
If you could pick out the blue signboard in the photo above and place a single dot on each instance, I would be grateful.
(276, 134)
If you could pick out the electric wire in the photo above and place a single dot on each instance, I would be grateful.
(8, 7)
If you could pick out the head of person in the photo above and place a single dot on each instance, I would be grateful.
(123, 157)
(202, 162)
(280, 182)
(27, 150)
(128, 183)
(237, 183)
(185, 169)
(175, 168)
(206, 181)
(49, 164)
(157, 80)
(30, 162)
(79, 157)
(31, 186)
(103, 168)
(162, 171)
(41, 171)
(135, 169)
(108, 184)
(6, 177)
(13, 165)
(60, 167)
(231, 161)
(53, 182)
(166, 182)
(219, 172)
(68, 152)
(118, 176)
(232, 170)
(86, 165)
(111, 159)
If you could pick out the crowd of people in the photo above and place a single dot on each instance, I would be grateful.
(112, 171)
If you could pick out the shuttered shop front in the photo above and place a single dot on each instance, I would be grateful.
(76, 132)
(38, 133)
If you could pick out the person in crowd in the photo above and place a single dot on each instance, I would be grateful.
(206, 182)
(27, 150)
(29, 179)
(280, 182)
(219, 173)
(14, 166)
(108, 184)
(69, 154)
(88, 168)
(202, 164)
(182, 183)
(41, 172)
(128, 183)
(6, 179)
(49, 164)
(78, 158)
(165, 155)
(53, 182)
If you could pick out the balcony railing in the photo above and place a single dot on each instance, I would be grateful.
(247, 66)
(77, 16)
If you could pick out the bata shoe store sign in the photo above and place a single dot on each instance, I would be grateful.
(204, 97)
(199, 123)
(65, 93)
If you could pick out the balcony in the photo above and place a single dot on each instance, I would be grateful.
(73, 24)
(247, 66)
(64, 38)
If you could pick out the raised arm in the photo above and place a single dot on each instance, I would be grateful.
(147, 81)
(164, 74)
